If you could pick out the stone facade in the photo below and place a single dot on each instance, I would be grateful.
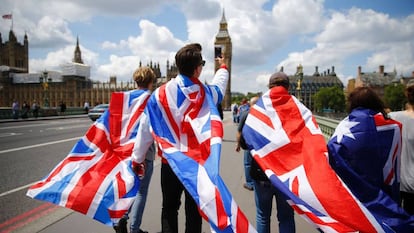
(72, 86)
(305, 86)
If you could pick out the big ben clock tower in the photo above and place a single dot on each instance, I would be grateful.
(223, 44)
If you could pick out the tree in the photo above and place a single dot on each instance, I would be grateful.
(394, 97)
(332, 98)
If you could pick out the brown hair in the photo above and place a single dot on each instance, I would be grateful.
(144, 76)
(365, 97)
(188, 58)
(409, 92)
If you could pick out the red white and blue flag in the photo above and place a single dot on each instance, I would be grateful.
(96, 178)
(365, 152)
(192, 147)
(289, 146)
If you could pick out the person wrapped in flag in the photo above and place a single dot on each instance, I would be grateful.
(145, 78)
(187, 127)
(96, 178)
(365, 151)
(288, 145)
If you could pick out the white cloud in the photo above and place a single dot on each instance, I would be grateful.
(358, 32)
(262, 38)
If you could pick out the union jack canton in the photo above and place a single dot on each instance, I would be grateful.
(365, 152)
(96, 178)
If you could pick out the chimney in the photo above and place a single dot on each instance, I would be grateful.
(317, 72)
(412, 74)
(329, 72)
(333, 71)
(381, 69)
(281, 69)
(359, 70)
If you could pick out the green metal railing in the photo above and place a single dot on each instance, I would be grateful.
(327, 125)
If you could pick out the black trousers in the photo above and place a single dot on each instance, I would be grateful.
(408, 202)
(172, 190)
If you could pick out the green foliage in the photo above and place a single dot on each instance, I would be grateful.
(238, 97)
(332, 98)
(394, 97)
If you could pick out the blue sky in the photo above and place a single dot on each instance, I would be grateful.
(116, 35)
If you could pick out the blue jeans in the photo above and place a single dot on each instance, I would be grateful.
(264, 192)
(247, 164)
(137, 208)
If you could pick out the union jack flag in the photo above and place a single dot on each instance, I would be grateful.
(192, 147)
(365, 152)
(288, 145)
(96, 178)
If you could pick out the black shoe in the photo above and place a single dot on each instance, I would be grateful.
(122, 226)
(248, 187)
(141, 231)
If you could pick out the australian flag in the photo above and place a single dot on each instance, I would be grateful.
(96, 178)
(365, 152)
(192, 146)
(288, 145)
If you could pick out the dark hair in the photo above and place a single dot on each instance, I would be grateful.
(279, 79)
(409, 92)
(188, 58)
(365, 97)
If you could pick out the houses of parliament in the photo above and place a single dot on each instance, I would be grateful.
(72, 85)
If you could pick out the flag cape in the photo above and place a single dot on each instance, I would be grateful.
(288, 145)
(365, 152)
(194, 156)
(96, 178)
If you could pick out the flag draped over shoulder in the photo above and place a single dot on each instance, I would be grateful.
(194, 155)
(96, 178)
(288, 145)
(365, 152)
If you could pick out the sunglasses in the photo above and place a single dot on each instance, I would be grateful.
(202, 62)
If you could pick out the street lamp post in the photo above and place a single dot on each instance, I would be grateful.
(44, 81)
(299, 74)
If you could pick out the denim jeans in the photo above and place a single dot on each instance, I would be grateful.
(264, 192)
(247, 164)
(137, 209)
(172, 190)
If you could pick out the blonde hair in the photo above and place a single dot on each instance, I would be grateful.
(144, 76)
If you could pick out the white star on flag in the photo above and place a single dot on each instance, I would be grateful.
(344, 129)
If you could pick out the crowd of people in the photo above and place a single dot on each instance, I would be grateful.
(25, 111)
(363, 103)
(371, 151)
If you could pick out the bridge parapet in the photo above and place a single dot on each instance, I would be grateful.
(327, 125)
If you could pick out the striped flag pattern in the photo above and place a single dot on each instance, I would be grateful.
(288, 145)
(96, 178)
(194, 156)
(365, 152)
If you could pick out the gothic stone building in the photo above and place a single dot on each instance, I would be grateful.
(72, 85)
(305, 86)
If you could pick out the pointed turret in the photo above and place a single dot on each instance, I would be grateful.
(78, 55)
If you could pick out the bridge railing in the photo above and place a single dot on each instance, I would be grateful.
(327, 125)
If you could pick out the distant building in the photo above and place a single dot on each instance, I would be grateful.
(376, 80)
(72, 85)
(14, 55)
(305, 86)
